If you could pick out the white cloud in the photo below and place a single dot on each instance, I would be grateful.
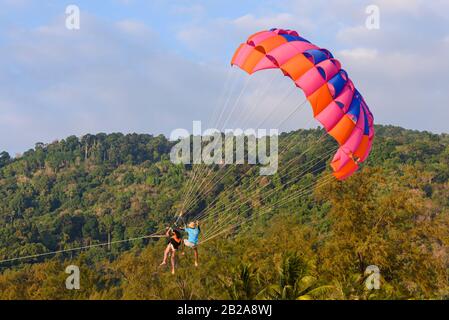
(14, 3)
(446, 40)
(194, 10)
(133, 27)
(359, 54)
(193, 36)
(249, 22)
(97, 79)
(400, 6)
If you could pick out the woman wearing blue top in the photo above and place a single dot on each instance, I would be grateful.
(193, 230)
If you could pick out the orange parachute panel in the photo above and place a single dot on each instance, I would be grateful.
(297, 66)
(342, 129)
(320, 99)
(269, 44)
(252, 60)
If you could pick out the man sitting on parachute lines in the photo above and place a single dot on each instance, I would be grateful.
(193, 231)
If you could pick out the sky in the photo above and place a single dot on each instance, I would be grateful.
(155, 66)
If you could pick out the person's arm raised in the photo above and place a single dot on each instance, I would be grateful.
(167, 232)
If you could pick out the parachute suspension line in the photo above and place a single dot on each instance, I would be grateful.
(211, 209)
(289, 116)
(221, 222)
(215, 213)
(209, 212)
(199, 171)
(284, 201)
(226, 100)
(208, 187)
(180, 218)
(197, 198)
(236, 205)
(221, 98)
(235, 104)
(289, 163)
(104, 244)
(199, 195)
(211, 187)
(214, 208)
(275, 108)
(260, 102)
(194, 201)
(291, 181)
(260, 97)
(217, 173)
(298, 108)
(300, 193)
(194, 187)
(227, 228)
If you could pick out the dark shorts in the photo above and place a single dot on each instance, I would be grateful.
(174, 244)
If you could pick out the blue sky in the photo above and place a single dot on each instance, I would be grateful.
(154, 66)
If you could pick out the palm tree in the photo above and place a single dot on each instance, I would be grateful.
(243, 283)
(295, 283)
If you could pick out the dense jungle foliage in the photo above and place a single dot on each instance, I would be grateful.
(104, 188)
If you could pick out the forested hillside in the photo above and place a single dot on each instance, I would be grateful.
(102, 188)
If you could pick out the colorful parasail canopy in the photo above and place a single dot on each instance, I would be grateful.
(336, 103)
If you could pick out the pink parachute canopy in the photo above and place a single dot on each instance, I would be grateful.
(335, 101)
